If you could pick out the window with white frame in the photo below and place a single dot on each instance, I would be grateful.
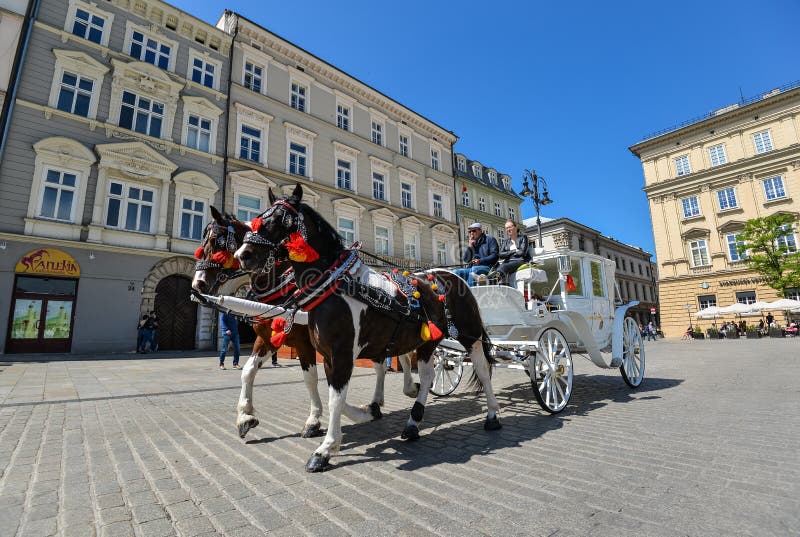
(198, 132)
(493, 177)
(247, 207)
(787, 242)
(498, 209)
(727, 198)
(130, 207)
(298, 155)
(462, 164)
(746, 297)
(411, 245)
(792, 292)
(733, 241)
(506, 182)
(75, 94)
(253, 76)
(141, 114)
(59, 195)
(707, 301)
(691, 207)
(405, 146)
(512, 214)
(717, 154)
(682, 165)
(343, 117)
(435, 158)
(482, 204)
(698, 250)
(773, 188)
(381, 240)
(297, 98)
(441, 252)
(150, 50)
(465, 198)
(378, 186)
(250, 143)
(192, 214)
(377, 132)
(762, 141)
(438, 206)
(347, 229)
(89, 22)
(406, 195)
(344, 174)
(477, 171)
(203, 72)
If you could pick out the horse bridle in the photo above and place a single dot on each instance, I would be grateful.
(292, 221)
(226, 241)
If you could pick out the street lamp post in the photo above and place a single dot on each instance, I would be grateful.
(538, 200)
(689, 313)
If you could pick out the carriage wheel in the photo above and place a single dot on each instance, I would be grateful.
(632, 367)
(551, 371)
(447, 372)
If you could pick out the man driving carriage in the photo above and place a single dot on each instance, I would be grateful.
(481, 254)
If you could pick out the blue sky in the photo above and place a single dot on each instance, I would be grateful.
(560, 87)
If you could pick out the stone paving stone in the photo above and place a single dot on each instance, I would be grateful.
(194, 526)
(117, 529)
(160, 527)
(147, 512)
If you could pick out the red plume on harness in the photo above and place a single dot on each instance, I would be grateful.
(299, 250)
(255, 223)
(225, 259)
(198, 254)
(278, 335)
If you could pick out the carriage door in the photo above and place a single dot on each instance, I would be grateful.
(177, 314)
(601, 308)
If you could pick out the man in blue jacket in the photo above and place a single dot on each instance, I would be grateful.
(229, 327)
(481, 255)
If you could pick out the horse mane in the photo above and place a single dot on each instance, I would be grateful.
(326, 231)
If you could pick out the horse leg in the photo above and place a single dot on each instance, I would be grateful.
(426, 373)
(245, 419)
(410, 388)
(312, 427)
(480, 365)
(333, 438)
(374, 408)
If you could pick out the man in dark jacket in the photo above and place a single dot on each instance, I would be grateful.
(481, 254)
(229, 327)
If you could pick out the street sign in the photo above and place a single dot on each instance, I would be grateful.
(652, 310)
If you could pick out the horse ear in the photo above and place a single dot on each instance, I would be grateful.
(297, 193)
(271, 196)
(216, 215)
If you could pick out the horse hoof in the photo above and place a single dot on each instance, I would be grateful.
(375, 410)
(310, 431)
(246, 426)
(317, 463)
(411, 432)
(492, 424)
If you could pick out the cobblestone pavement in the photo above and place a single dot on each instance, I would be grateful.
(147, 447)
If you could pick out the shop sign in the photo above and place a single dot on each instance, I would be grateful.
(48, 262)
(743, 281)
(653, 311)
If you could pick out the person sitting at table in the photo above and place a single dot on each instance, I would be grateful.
(791, 329)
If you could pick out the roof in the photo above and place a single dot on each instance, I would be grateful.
(484, 179)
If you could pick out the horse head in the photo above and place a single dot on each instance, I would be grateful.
(216, 263)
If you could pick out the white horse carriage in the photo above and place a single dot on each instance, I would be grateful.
(562, 303)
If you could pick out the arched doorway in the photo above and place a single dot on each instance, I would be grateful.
(177, 314)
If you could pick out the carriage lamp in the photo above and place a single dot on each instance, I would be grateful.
(564, 264)
(538, 200)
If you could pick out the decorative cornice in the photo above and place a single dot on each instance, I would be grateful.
(252, 113)
(346, 149)
(296, 130)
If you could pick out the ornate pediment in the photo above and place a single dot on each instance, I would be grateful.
(136, 159)
(64, 150)
(80, 62)
(201, 106)
(252, 114)
(411, 221)
(730, 225)
(695, 233)
(441, 228)
(147, 78)
(382, 213)
(196, 180)
(346, 203)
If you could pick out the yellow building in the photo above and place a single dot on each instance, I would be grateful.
(704, 179)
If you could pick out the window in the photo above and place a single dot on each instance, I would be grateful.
(378, 186)
(88, 26)
(192, 215)
(746, 297)
(253, 75)
(406, 195)
(787, 241)
(773, 188)
(250, 143)
(498, 210)
(58, 196)
(438, 209)
(717, 155)
(682, 165)
(377, 133)
(203, 72)
(129, 207)
(582, 246)
(707, 301)
(465, 198)
(404, 145)
(598, 289)
(141, 114)
(462, 164)
(247, 207)
(75, 94)
(381, 240)
(733, 241)
(493, 177)
(512, 214)
(347, 229)
(792, 292)
(198, 133)
(435, 159)
(727, 198)
(410, 248)
(149, 50)
(762, 141)
(699, 253)
(343, 117)
(624, 266)
(691, 207)
(297, 158)
(477, 171)
(640, 270)
(298, 97)
(343, 174)
(482, 204)
(506, 182)
(441, 252)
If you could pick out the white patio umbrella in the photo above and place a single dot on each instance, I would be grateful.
(783, 304)
(759, 306)
(736, 309)
(711, 312)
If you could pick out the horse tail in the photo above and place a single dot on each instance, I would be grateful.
(486, 345)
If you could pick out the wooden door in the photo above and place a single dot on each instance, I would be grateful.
(42, 315)
(177, 314)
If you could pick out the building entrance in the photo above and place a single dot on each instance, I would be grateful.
(177, 314)
(42, 312)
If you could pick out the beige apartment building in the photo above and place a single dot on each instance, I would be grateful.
(704, 179)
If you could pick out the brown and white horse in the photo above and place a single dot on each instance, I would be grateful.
(223, 235)
(343, 328)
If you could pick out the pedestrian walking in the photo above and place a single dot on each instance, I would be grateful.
(142, 334)
(229, 328)
(651, 331)
(152, 327)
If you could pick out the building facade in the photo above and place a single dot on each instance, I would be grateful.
(634, 275)
(703, 181)
(12, 26)
(485, 196)
(114, 154)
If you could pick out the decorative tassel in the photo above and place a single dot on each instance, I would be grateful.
(435, 333)
(425, 333)
(255, 223)
(198, 254)
(221, 257)
(571, 283)
(299, 250)
(278, 335)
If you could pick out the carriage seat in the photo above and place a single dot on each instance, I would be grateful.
(527, 274)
